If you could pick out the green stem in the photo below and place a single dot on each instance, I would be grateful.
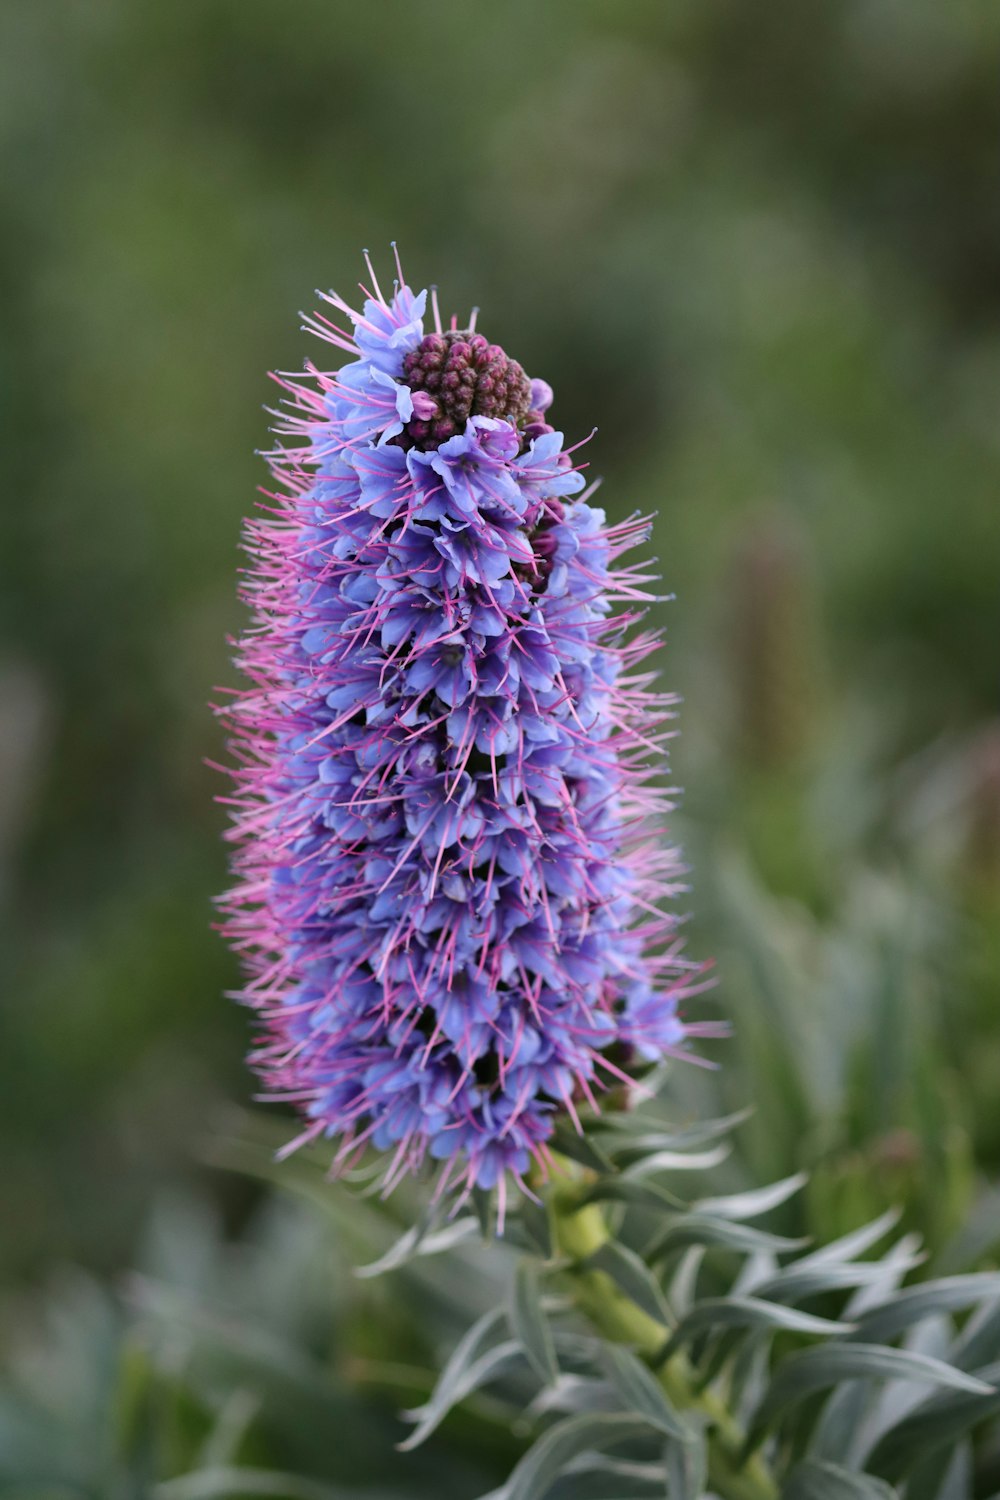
(582, 1230)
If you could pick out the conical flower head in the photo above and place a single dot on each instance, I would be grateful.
(450, 858)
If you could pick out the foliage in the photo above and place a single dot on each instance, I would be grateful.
(221, 1369)
(626, 1342)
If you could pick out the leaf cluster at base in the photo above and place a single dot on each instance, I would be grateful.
(690, 1351)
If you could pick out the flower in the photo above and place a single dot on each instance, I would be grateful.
(448, 801)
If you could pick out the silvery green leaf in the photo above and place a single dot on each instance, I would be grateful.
(885, 1321)
(420, 1241)
(482, 1207)
(850, 1246)
(698, 1229)
(898, 1260)
(580, 1148)
(754, 1270)
(959, 1478)
(573, 1393)
(640, 1392)
(644, 1133)
(460, 1384)
(816, 1369)
(750, 1205)
(621, 1189)
(815, 1479)
(947, 1475)
(844, 1427)
(686, 1466)
(628, 1271)
(534, 1221)
(595, 1477)
(464, 1356)
(979, 1342)
(578, 1351)
(543, 1464)
(713, 1350)
(596, 1484)
(748, 1377)
(897, 1398)
(717, 1313)
(676, 1161)
(935, 1423)
(529, 1324)
(684, 1283)
(796, 1282)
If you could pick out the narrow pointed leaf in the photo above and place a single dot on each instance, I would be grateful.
(945, 1476)
(529, 1324)
(676, 1161)
(621, 1189)
(840, 1431)
(596, 1484)
(546, 1461)
(482, 1207)
(683, 1289)
(686, 1466)
(534, 1220)
(698, 1229)
(888, 1319)
(815, 1479)
(850, 1246)
(979, 1341)
(597, 1477)
(629, 1272)
(748, 1377)
(570, 1394)
(751, 1205)
(934, 1424)
(797, 1282)
(644, 1133)
(816, 1369)
(465, 1354)
(582, 1149)
(486, 1368)
(640, 1392)
(717, 1313)
(894, 1266)
(420, 1241)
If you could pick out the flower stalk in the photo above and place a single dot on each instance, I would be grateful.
(580, 1229)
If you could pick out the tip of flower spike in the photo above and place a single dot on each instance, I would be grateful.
(464, 375)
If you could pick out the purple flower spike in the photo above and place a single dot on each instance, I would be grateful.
(448, 814)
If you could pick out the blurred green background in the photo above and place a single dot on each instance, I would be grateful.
(758, 243)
